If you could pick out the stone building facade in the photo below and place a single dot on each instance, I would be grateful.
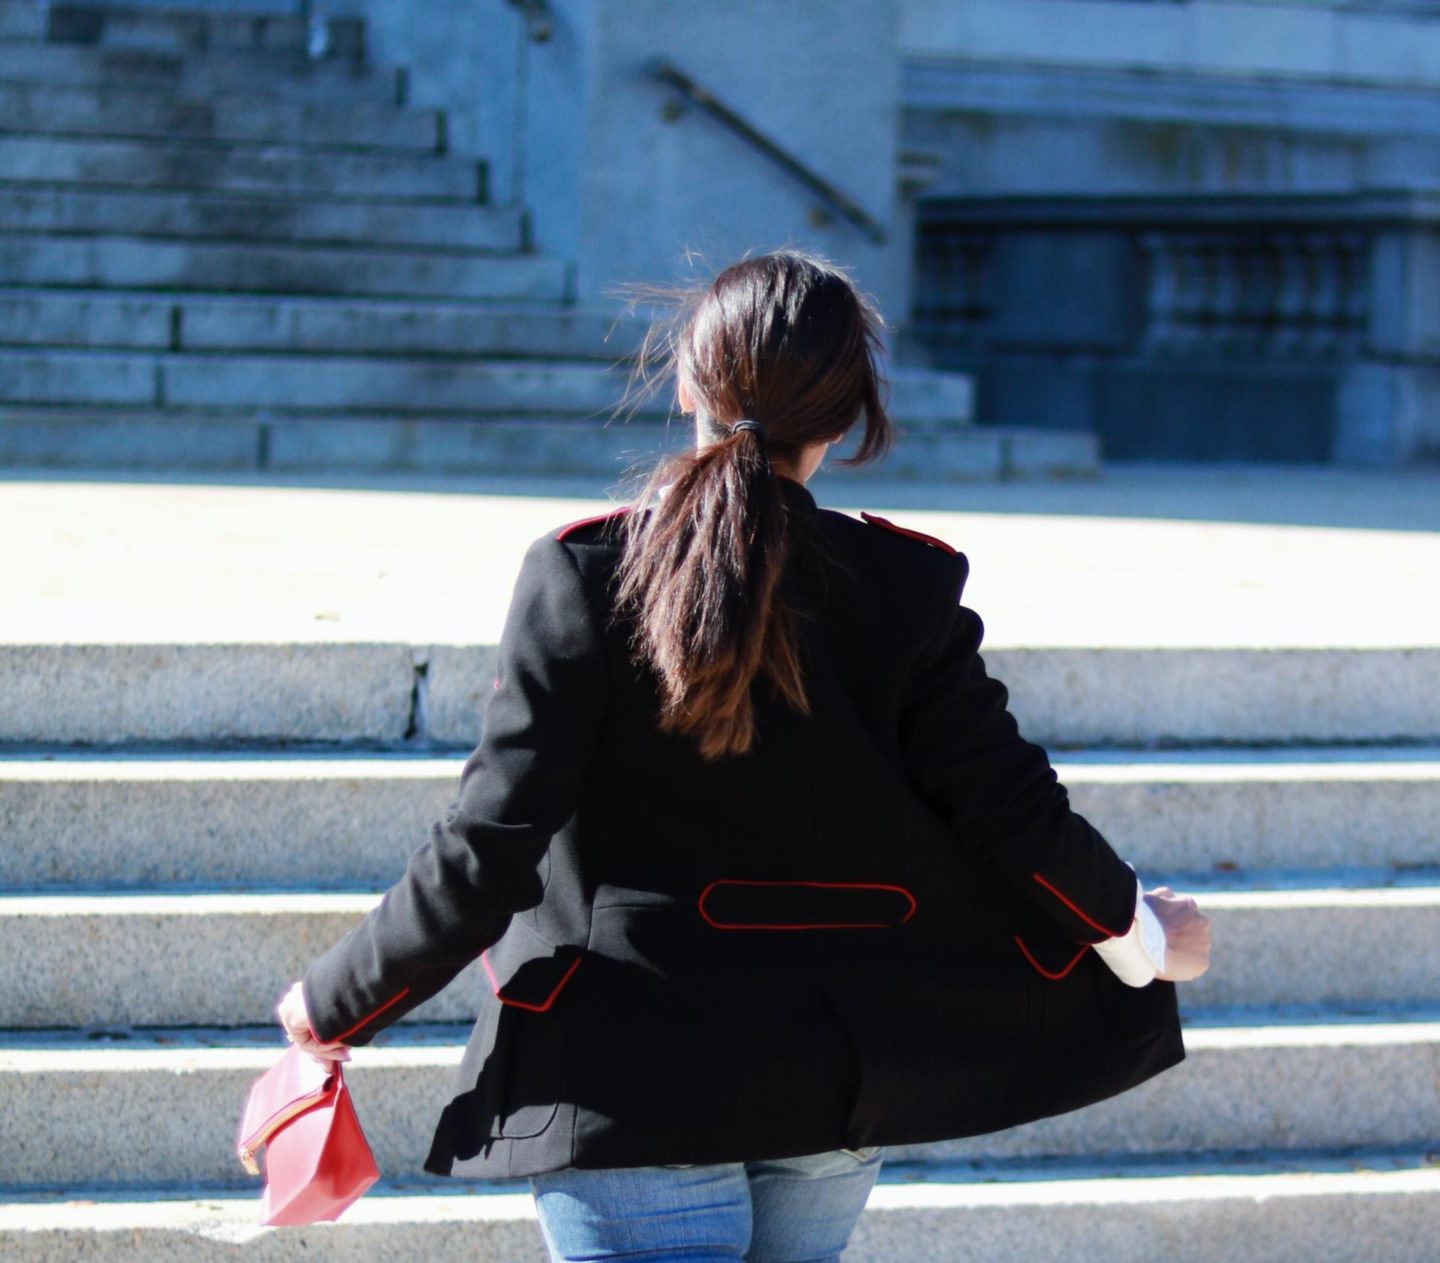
(1199, 229)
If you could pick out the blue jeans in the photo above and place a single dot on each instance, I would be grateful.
(789, 1210)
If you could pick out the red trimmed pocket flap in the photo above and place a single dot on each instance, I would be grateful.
(526, 971)
(1052, 953)
(1049, 960)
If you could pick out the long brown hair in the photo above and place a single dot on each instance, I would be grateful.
(786, 340)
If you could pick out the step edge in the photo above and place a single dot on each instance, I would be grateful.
(380, 1208)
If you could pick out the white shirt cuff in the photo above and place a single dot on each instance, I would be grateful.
(1137, 956)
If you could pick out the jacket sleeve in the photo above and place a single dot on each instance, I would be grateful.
(998, 793)
(517, 788)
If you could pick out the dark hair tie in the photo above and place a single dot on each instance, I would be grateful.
(747, 424)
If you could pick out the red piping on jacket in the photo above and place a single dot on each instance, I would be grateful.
(814, 885)
(1041, 970)
(905, 530)
(590, 521)
(394, 999)
(522, 1004)
(1091, 922)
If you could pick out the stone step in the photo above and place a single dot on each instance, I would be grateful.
(329, 692)
(123, 110)
(226, 818)
(452, 228)
(103, 319)
(1311, 944)
(1251, 1083)
(311, 383)
(168, 957)
(116, 694)
(1261, 1210)
(99, 378)
(162, 1106)
(180, 31)
(1262, 809)
(216, 818)
(311, 325)
(280, 172)
(257, 8)
(123, 262)
(497, 445)
(389, 385)
(274, 72)
(1218, 694)
(1334, 1209)
(335, 385)
(175, 956)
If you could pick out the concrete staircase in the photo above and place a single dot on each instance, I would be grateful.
(225, 247)
(186, 824)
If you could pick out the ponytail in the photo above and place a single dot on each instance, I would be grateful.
(779, 352)
(702, 581)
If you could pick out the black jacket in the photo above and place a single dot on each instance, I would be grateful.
(872, 929)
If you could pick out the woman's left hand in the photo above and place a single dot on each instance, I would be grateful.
(296, 1021)
(1187, 935)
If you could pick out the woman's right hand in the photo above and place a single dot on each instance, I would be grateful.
(1187, 934)
(296, 1021)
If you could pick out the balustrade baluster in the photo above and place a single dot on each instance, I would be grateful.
(1326, 312)
(1162, 291)
(1355, 306)
(1292, 298)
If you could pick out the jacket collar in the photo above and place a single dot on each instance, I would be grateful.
(796, 494)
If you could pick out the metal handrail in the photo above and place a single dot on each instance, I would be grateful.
(668, 73)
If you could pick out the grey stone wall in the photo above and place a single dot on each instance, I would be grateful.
(625, 185)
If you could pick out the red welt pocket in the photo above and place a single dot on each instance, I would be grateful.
(804, 905)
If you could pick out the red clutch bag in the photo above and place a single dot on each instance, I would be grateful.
(317, 1161)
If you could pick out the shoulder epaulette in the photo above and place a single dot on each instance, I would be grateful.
(571, 527)
(888, 525)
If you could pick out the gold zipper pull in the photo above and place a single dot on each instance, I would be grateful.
(272, 1125)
